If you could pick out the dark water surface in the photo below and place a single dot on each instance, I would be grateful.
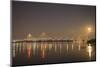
(33, 53)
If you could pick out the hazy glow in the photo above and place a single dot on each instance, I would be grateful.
(89, 29)
(43, 34)
(89, 50)
(55, 20)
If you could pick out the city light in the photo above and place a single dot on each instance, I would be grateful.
(29, 35)
(89, 29)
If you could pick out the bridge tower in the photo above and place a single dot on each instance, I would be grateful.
(29, 37)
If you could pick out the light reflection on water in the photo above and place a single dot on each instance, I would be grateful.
(67, 47)
(79, 47)
(51, 52)
(72, 46)
(29, 47)
(89, 49)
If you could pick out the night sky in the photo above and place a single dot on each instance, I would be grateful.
(56, 20)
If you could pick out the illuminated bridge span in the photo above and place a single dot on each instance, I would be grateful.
(43, 38)
(18, 41)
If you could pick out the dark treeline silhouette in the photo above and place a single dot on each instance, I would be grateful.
(92, 41)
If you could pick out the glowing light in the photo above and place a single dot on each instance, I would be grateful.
(29, 36)
(72, 46)
(34, 48)
(67, 47)
(50, 46)
(45, 46)
(89, 29)
(43, 51)
(79, 47)
(29, 51)
(89, 50)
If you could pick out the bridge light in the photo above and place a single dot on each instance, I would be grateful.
(29, 36)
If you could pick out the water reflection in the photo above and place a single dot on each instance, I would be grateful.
(55, 48)
(43, 53)
(34, 48)
(43, 50)
(67, 47)
(72, 47)
(60, 48)
(51, 52)
(20, 44)
(89, 48)
(50, 47)
(23, 47)
(79, 47)
(29, 50)
(13, 53)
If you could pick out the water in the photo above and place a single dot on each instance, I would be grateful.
(33, 53)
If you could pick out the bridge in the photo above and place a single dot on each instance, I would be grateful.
(43, 38)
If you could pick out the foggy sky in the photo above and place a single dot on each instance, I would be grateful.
(54, 19)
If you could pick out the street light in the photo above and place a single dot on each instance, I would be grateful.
(89, 29)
